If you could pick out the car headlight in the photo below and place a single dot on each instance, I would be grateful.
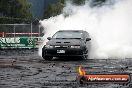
(75, 46)
(48, 46)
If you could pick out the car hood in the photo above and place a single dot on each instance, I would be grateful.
(64, 42)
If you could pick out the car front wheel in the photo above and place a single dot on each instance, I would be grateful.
(47, 58)
(84, 57)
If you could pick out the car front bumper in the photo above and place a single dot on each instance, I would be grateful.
(62, 52)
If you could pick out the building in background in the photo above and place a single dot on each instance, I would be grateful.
(38, 7)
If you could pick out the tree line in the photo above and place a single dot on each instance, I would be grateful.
(14, 11)
(56, 8)
(18, 11)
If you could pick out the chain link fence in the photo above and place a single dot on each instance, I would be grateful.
(20, 30)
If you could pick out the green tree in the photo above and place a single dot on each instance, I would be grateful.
(54, 9)
(97, 3)
(78, 2)
(15, 9)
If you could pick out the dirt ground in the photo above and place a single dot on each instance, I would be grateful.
(26, 69)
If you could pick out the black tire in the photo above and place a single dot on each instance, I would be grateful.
(48, 58)
(84, 57)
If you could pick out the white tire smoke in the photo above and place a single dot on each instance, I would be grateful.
(110, 27)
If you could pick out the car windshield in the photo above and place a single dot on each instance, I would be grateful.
(68, 35)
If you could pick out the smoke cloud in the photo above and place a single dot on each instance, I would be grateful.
(109, 25)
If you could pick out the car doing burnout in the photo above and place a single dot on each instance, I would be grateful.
(67, 43)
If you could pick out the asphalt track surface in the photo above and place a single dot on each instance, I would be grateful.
(26, 69)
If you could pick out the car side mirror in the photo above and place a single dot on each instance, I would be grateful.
(49, 38)
(88, 39)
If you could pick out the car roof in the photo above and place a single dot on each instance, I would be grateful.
(71, 31)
